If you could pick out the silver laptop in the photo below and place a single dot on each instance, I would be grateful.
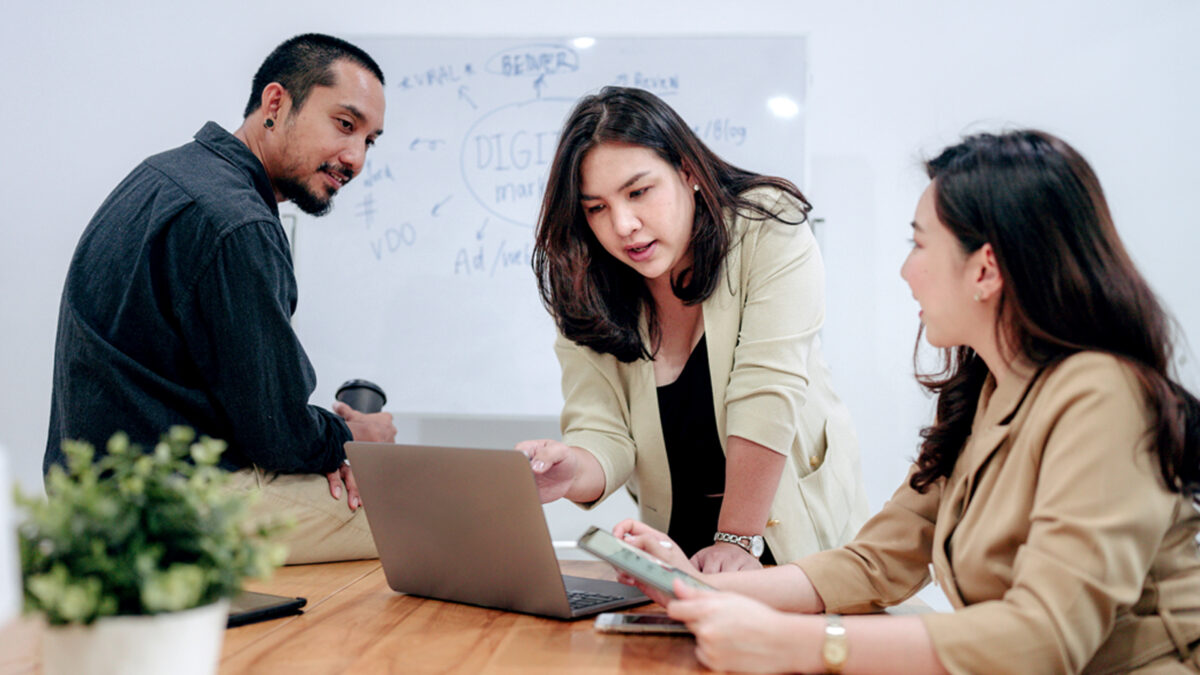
(466, 525)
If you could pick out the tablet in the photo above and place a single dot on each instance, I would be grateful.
(250, 607)
(635, 562)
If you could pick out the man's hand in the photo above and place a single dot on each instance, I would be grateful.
(373, 427)
(344, 476)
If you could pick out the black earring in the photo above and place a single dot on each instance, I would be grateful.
(269, 123)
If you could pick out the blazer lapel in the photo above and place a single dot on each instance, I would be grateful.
(995, 414)
(960, 487)
(722, 314)
(653, 498)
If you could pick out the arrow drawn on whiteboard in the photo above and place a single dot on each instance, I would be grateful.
(462, 93)
(440, 205)
(539, 83)
(419, 143)
(479, 234)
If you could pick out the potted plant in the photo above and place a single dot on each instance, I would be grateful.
(133, 556)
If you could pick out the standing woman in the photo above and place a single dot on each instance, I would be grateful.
(1053, 497)
(688, 294)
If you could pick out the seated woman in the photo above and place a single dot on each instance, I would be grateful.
(688, 296)
(1053, 495)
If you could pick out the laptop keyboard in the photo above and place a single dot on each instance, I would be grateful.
(584, 599)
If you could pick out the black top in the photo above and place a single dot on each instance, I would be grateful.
(694, 455)
(177, 310)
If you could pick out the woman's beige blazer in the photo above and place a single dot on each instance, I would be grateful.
(770, 385)
(1054, 538)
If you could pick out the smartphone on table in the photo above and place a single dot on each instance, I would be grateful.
(635, 562)
(661, 624)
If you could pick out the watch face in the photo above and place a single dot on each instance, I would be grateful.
(753, 544)
(835, 652)
(756, 546)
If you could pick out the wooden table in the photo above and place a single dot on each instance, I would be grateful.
(354, 623)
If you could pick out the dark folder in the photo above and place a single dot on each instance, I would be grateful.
(251, 607)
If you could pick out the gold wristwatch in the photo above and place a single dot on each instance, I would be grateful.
(836, 647)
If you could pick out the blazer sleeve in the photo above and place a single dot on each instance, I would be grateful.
(1099, 515)
(783, 310)
(595, 413)
(887, 562)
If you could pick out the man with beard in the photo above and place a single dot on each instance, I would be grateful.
(178, 301)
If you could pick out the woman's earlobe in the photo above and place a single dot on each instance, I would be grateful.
(688, 178)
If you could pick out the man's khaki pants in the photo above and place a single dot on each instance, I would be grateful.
(325, 530)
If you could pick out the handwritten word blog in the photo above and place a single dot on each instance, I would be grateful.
(721, 130)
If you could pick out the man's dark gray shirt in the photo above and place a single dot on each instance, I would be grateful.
(177, 310)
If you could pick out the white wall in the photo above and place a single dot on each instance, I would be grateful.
(92, 88)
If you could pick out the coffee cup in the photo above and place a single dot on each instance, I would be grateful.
(362, 395)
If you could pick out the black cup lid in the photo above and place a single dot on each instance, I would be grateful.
(362, 384)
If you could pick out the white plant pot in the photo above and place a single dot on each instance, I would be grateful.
(180, 643)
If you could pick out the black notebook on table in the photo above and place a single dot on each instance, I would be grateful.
(251, 607)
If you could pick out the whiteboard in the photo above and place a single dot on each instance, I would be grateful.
(420, 278)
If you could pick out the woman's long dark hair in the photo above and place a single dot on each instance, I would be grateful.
(1069, 286)
(595, 299)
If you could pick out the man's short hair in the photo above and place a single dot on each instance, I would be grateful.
(304, 62)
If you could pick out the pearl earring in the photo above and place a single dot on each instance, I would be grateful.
(978, 297)
(695, 187)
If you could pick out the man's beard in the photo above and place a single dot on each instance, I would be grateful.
(302, 197)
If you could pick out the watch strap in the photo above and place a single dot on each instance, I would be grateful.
(745, 541)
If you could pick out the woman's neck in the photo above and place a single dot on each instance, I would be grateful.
(662, 294)
(680, 327)
(1001, 361)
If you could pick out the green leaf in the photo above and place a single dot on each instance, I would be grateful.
(207, 451)
(79, 456)
(63, 598)
(180, 587)
(180, 435)
(119, 444)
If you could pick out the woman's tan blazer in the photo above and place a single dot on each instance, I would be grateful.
(1054, 537)
(770, 385)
